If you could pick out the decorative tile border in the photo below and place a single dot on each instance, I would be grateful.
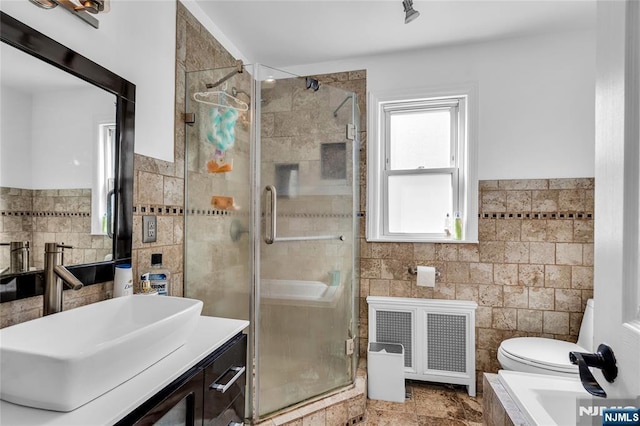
(44, 214)
(538, 215)
(158, 210)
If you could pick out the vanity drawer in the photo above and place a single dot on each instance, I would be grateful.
(225, 381)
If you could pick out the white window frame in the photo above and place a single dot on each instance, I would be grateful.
(103, 179)
(465, 180)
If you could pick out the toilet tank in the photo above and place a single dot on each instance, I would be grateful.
(585, 338)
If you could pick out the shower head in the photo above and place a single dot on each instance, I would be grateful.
(410, 12)
(312, 83)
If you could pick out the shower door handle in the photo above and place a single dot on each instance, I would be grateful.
(270, 237)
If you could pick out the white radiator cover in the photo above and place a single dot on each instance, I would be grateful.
(438, 336)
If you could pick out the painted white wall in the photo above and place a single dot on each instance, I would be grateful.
(63, 149)
(136, 40)
(536, 98)
(43, 146)
(15, 132)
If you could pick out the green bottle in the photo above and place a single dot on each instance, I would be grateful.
(457, 226)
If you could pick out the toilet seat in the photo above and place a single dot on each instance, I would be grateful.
(538, 355)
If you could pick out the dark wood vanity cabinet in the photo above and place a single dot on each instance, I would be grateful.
(224, 387)
(211, 393)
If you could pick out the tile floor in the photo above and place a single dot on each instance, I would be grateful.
(430, 405)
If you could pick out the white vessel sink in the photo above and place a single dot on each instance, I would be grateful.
(62, 361)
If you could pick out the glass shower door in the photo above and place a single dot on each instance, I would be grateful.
(306, 246)
(218, 196)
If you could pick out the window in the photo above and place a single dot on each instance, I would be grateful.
(103, 180)
(422, 166)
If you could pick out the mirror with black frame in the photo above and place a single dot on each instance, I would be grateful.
(66, 161)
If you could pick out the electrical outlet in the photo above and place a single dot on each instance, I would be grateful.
(149, 229)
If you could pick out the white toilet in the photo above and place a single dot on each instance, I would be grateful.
(547, 356)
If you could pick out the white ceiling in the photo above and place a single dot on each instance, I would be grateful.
(296, 32)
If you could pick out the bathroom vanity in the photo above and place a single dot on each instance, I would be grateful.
(202, 382)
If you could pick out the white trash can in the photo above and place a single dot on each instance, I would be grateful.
(385, 372)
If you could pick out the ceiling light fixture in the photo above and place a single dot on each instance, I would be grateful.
(83, 9)
(45, 4)
(410, 12)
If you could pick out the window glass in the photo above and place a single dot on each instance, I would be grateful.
(419, 203)
(420, 139)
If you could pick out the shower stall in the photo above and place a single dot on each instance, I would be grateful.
(271, 229)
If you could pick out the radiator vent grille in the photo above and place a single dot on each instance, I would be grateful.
(395, 327)
(446, 342)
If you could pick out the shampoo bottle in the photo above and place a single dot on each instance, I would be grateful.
(160, 277)
(457, 226)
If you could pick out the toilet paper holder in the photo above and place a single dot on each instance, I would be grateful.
(413, 270)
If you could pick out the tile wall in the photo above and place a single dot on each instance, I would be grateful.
(531, 272)
(48, 215)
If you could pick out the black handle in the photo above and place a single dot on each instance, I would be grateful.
(603, 359)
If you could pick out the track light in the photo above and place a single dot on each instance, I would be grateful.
(93, 6)
(410, 12)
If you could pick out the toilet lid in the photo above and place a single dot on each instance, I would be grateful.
(543, 352)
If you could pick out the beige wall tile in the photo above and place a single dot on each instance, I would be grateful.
(530, 320)
(508, 230)
(571, 200)
(582, 277)
(490, 295)
(447, 252)
(493, 201)
(370, 268)
(559, 230)
(531, 275)
(379, 287)
(541, 298)
(504, 318)
(555, 322)
(516, 297)
(481, 273)
(491, 251)
(544, 201)
(468, 253)
(458, 272)
(583, 231)
(568, 254)
(575, 321)
(424, 251)
(516, 252)
(467, 292)
(487, 229)
(400, 288)
(483, 316)
(534, 230)
(505, 274)
(522, 184)
(557, 276)
(568, 300)
(542, 253)
(518, 201)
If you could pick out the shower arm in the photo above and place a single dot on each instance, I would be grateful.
(335, 113)
(239, 69)
(271, 238)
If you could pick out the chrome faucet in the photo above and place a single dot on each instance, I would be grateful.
(54, 275)
(19, 257)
